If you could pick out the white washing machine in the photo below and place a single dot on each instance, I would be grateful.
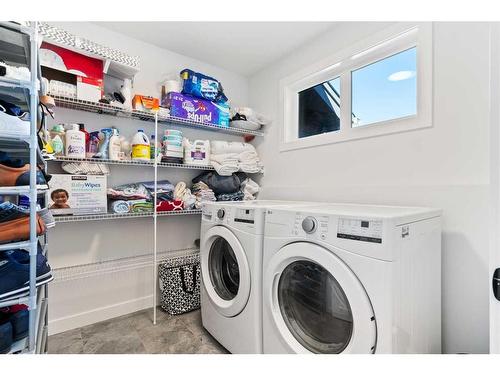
(231, 264)
(352, 279)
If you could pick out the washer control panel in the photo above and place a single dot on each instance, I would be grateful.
(244, 215)
(366, 230)
(316, 226)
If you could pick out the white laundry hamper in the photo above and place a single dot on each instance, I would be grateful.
(179, 280)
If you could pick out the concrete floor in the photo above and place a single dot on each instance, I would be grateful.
(135, 334)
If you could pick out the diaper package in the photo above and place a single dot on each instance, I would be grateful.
(199, 110)
(202, 86)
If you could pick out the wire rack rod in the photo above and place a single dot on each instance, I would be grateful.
(133, 162)
(78, 218)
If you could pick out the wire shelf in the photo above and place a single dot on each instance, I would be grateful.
(78, 218)
(15, 246)
(21, 190)
(14, 83)
(107, 109)
(133, 162)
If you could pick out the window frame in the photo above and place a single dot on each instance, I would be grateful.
(386, 43)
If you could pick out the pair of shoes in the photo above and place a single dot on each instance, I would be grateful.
(15, 272)
(20, 176)
(18, 316)
(13, 327)
(14, 222)
(15, 72)
(19, 229)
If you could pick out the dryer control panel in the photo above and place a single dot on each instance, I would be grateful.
(368, 230)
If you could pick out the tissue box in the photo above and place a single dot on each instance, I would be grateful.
(78, 194)
(194, 109)
(145, 103)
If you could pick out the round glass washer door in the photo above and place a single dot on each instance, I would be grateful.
(225, 271)
(318, 304)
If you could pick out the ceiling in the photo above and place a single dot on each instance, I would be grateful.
(241, 47)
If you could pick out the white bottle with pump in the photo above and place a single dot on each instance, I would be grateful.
(115, 146)
(140, 146)
(75, 142)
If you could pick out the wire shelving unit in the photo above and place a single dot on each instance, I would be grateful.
(16, 37)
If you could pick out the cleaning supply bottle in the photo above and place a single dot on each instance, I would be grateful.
(115, 146)
(57, 137)
(140, 146)
(104, 146)
(154, 150)
(75, 142)
(93, 144)
(87, 136)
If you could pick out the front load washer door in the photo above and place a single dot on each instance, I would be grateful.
(225, 271)
(317, 303)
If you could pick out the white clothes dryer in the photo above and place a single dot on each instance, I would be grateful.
(346, 278)
(231, 266)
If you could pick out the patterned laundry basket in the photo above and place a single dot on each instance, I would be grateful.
(180, 284)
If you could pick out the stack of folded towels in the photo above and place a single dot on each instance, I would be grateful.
(202, 193)
(231, 157)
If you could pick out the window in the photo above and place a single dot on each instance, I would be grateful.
(319, 109)
(385, 90)
(381, 85)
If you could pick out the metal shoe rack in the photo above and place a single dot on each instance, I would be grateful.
(16, 38)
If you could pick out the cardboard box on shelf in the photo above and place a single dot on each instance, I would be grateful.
(145, 103)
(78, 194)
(73, 68)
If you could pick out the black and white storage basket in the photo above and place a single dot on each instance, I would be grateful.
(180, 284)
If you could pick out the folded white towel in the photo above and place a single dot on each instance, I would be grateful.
(223, 147)
(226, 158)
(225, 169)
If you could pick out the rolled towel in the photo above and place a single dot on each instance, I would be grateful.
(120, 207)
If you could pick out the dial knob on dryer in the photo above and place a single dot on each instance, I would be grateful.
(221, 213)
(309, 224)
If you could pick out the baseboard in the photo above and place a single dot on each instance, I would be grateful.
(98, 315)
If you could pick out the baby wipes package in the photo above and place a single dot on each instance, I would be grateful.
(202, 86)
(78, 194)
(194, 109)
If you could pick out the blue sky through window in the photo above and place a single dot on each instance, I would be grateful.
(386, 89)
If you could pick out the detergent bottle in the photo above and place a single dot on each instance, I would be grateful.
(140, 146)
(115, 146)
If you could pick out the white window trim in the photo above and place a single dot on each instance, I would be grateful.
(383, 44)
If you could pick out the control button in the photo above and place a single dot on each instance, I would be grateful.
(309, 224)
(323, 236)
(221, 213)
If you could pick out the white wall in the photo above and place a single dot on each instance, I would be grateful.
(75, 246)
(446, 166)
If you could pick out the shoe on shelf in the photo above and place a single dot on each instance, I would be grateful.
(13, 126)
(15, 72)
(15, 274)
(10, 211)
(20, 176)
(43, 270)
(19, 229)
(19, 321)
(5, 337)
